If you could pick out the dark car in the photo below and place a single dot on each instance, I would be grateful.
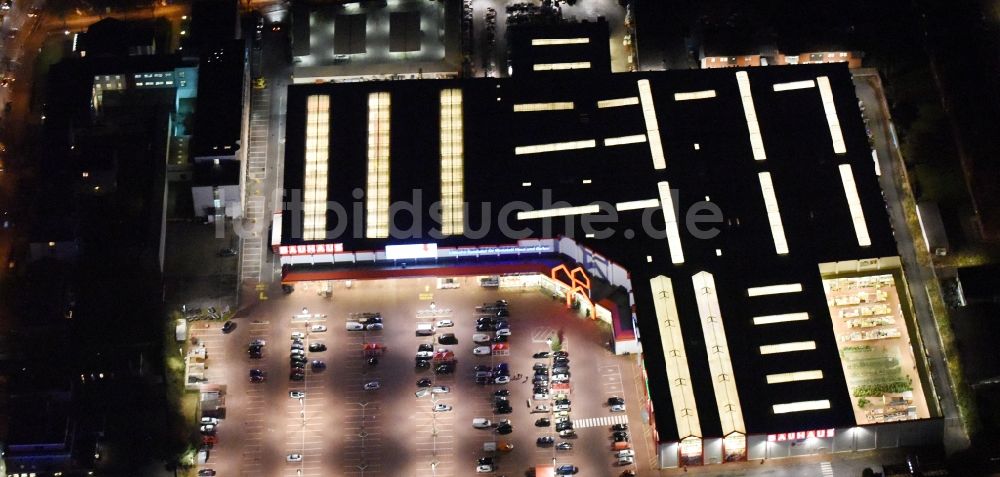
(445, 368)
(540, 355)
(206, 473)
(567, 470)
(298, 345)
(615, 400)
(425, 347)
(503, 409)
(500, 339)
(560, 361)
(372, 361)
(543, 422)
(562, 426)
(257, 372)
(485, 461)
(541, 390)
(619, 427)
(545, 441)
(483, 379)
(505, 428)
(561, 370)
(539, 366)
(448, 339)
(502, 368)
(317, 346)
(229, 326)
(560, 354)
(501, 392)
(317, 365)
(297, 376)
(481, 368)
(424, 382)
(563, 401)
(484, 327)
(423, 363)
(620, 435)
(298, 364)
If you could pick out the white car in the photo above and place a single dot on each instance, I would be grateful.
(440, 390)
(618, 408)
(484, 469)
(296, 394)
(481, 338)
(210, 420)
(373, 326)
(561, 407)
(626, 453)
(317, 328)
(422, 392)
(482, 351)
(354, 326)
(562, 419)
(371, 386)
(481, 423)
(207, 429)
(501, 380)
(541, 396)
(503, 332)
(298, 335)
(425, 354)
(445, 324)
(560, 377)
(293, 458)
(626, 460)
(567, 433)
(540, 408)
(440, 407)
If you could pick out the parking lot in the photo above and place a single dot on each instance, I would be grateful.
(341, 428)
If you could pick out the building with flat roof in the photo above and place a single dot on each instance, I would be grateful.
(739, 209)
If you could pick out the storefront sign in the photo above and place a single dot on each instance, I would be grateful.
(793, 436)
(411, 251)
(311, 249)
(502, 250)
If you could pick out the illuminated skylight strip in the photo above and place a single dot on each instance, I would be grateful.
(788, 347)
(675, 358)
(317, 159)
(773, 214)
(637, 204)
(826, 94)
(673, 233)
(775, 289)
(576, 65)
(854, 204)
(794, 376)
(558, 41)
(794, 85)
(801, 406)
(756, 140)
(689, 95)
(652, 127)
(556, 146)
(622, 140)
(452, 163)
(558, 212)
(377, 200)
(719, 361)
(783, 318)
(530, 107)
(618, 102)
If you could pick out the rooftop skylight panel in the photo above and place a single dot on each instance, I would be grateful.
(854, 204)
(746, 96)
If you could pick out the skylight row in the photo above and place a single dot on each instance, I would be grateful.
(782, 318)
(854, 204)
(719, 361)
(788, 347)
(673, 233)
(794, 376)
(791, 85)
(576, 65)
(687, 96)
(558, 212)
(675, 358)
(826, 94)
(746, 96)
(775, 289)
(558, 41)
(618, 102)
(316, 167)
(530, 107)
(637, 204)
(622, 140)
(801, 406)
(773, 213)
(452, 163)
(377, 200)
(652, 127)
(555, 146)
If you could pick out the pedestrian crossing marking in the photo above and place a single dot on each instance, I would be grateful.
(606, 421)
(826, 469)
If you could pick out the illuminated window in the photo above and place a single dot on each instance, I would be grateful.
(530, 107)
(618, 102)
(452, 163)
(826, 94)
(788, 347)
(556, 146)
(794, 85)
(801, 406)
(377, 214)
(746, 96)
(578, 65)
(687, 96)
(652, 127)
(854, 204)
(558, 212)
(773, 214)
(775, 289)
(783, 318)
(316, 167)
(673, 233)
(794, 376)
(622, 140)
(558, 41)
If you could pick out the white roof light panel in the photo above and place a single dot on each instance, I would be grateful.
(576, 65)
(782, 318)
(675, 358)
(673, 233)
(826, 94)
(623, 140)
(794, 376)
(452, 163)
(690, 95)
(556, 146)
(801, 406)
(531, 107)
(775, 289)
(719, 361)
(558, 212)
(558, 41)
(618, 102)
(792, 85)
(773, 213)
(637, 204)
(377, 200)
(788, 347)
(652, 127)
(317, 157)
(854, 204)
(746, 96)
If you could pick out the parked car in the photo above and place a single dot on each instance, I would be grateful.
(564, 445)
(539, 408)
(567, 433)
(293, 458)
(207, 429)
(543, 422)
(501, 393)
(317, 365)
(448, 339)
(298, 335)
(209, 420)
(619, 427)
(317, 328)
(501, 380)
(204, 472)
(445, 368)
(482, 351)
(371, 386)
(618, 408)
(373, 326)
(481, 423)
(545, 441)
(229, 326)
(296, 394)
(424, 382)
(316, 346)
(505, 428)
(440, 407)
(440, 390)
(445, 323)
(562, 426)
(540, 355)
(567, 469)
(425, 347)
(481, 338)
(354, 326)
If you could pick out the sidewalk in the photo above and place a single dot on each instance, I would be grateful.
(842, 464)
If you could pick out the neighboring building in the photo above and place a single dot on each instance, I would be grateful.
(563, 47)
(212, 23)
(932, 228)
(216, 190)
(786, 292)
(777, 58)
(359, 41)
(40, 441)
(218, 120)
(114, 37)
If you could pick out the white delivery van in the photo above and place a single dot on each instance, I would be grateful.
(425, 329)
